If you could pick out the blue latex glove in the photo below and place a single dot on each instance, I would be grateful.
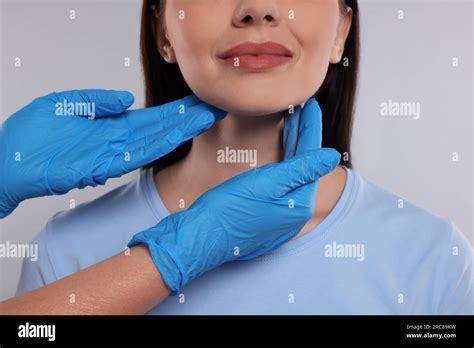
(43, 153)
(248, 215)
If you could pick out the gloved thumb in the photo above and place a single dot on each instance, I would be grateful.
(303, 169)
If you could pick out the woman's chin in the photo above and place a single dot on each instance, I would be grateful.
(252, 108)
(250, 104)
(255, 112)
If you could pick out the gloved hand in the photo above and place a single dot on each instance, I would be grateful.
(52, 145)
(248, 215)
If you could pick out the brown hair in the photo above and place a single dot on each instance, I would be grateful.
(164, 82)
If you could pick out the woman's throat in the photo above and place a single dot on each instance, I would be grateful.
(232, 146)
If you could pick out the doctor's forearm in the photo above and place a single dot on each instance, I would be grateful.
(123, 284)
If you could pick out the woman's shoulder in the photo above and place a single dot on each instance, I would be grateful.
(404, 231)
(412, 246)
(384, 207)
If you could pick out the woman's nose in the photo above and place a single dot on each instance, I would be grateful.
(256, 12)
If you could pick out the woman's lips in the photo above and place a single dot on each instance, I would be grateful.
(257, 63)
(257, 57)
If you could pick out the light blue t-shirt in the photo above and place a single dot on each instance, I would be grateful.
(371, 255)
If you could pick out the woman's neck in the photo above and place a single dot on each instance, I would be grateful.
(235, 145)
(232, 146)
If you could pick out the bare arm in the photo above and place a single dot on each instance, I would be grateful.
(123, 284)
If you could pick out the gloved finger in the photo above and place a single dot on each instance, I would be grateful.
(149, 148)
(93, 102)
(300, 170)
(146, 117)
(165, 141)
(310, 128)
(303, 129)
(189, 122)
(290, 132)
(163, 114)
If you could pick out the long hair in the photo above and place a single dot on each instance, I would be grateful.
(164, 83)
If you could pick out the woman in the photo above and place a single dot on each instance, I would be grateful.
(360, 253)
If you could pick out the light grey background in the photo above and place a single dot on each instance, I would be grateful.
(406, 60)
